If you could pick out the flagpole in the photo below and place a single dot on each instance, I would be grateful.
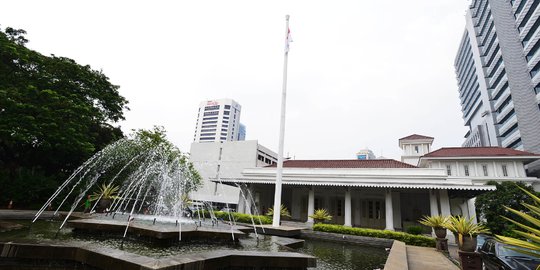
(279, 172)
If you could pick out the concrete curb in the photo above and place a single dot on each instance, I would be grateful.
(397, 259)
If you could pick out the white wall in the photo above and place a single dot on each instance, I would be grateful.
(514, 169)
(231, 158)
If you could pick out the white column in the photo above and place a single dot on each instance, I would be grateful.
(311, 204)
(465, 209)
(433, 205)
(445, 202)
(389, 210)
(445, 211)
(348, 210)
(472, 209)
(241, 204)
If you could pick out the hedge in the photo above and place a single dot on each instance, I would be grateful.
(238, 217)
(409, 239)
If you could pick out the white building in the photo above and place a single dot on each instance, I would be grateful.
(365, 154)
(387, 194)
(218, 120)
(227, 159)
(414, 146)
(498, 73)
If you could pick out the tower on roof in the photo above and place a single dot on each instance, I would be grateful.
(414, 146)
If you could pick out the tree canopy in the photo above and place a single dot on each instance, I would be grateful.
(490, 205)
(54, 114)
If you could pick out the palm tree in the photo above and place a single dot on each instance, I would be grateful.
(530, 244)
(321, 215)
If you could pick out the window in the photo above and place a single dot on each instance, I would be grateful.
(485, 169)
(339, 207)
(448, 170)
(416, 149)
(210, 118)
(226, 112)
(505, 170)
(466, 168)
(227, 106)
(209, 122)
(211, 113)
(210, 108)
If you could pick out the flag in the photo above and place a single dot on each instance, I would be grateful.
(288, 40)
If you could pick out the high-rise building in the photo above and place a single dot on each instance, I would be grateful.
(365, 154)
(218, 120)
(497, 69)
(242, 132)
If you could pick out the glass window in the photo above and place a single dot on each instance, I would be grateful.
(505, 170)
(339, 207)
(226, 112)
(211, 113)
(209, 108)
(448, 170)
(466, 168)
(416, 149)
(227, 106)
(485, 169)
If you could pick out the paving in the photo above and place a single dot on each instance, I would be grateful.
(422, 258)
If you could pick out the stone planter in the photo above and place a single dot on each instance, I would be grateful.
(103, 205)
(440, 232)
(468, 244)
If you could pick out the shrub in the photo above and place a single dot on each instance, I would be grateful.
(415, 230)
(238, 217)
(409, 239)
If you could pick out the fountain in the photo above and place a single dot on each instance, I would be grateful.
(144, 196)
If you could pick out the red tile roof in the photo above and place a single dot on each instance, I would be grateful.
(349, 163)
(477, 152)
(416, 137)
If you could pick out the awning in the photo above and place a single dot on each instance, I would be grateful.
(438, 184)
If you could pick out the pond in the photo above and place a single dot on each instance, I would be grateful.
(330, 255)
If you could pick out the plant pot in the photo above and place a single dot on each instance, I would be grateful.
(468, 243)
(440, 232)
(103, 205)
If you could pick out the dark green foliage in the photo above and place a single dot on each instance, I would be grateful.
(54, 114)
(238, 217)
(415, 230)
(490, 206)
(409, 239)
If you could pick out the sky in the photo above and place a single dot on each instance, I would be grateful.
(361, 74)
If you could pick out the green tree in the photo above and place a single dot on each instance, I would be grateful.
(490, 206)
(54, 114)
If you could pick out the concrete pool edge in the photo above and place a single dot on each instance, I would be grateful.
(108, 258)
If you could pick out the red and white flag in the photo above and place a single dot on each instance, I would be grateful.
(288, 40)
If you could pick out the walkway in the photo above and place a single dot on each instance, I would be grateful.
(423, 258)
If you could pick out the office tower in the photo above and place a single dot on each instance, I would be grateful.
(242, 132)
(365, 154)
(497, 69)
(218, 120)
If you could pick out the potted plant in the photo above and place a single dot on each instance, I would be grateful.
(438, 223)
(283, 212)
(321, 215)
(466, 231)
(105, 194)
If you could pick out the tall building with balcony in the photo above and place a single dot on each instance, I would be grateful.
(218, 120)
(497, 68)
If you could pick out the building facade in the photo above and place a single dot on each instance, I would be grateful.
(385, 193)
(497, 68)
(218, 120)
(215, 160)
(365, 154)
